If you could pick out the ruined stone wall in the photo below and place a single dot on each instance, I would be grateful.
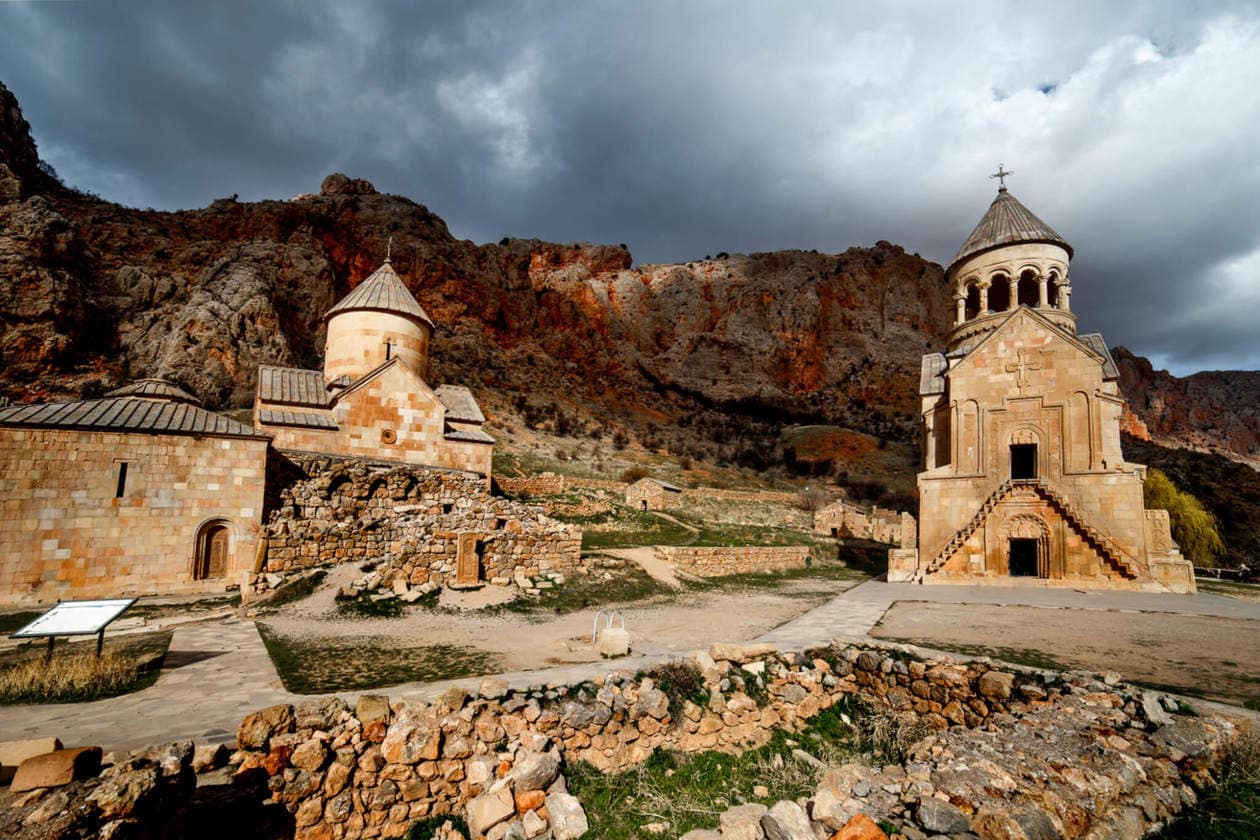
(66, 532)
(702, 493)
(733, 560)
(543, 484)
(324, 510)
(1064, 762)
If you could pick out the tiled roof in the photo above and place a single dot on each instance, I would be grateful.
(1007, 222)
(127, 414)
(665, 484)
(1096, 343)
(292, 386)
(154, 388)
(932, 374)
(465, 434)
(460, 404)
(303, 419)
(382, 291)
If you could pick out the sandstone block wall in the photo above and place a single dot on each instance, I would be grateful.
(66, 533)
(731, 560)
(326, 510)
(1007, 744)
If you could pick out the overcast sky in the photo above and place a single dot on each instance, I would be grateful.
(684, 129)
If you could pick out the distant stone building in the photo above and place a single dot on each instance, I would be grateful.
(841, 519)
(653, 494)
(371, 399)
(1024, 479)
(142, 492)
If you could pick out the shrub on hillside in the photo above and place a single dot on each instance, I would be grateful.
(1194, 528)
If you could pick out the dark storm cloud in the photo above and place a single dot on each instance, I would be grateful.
(686, 129)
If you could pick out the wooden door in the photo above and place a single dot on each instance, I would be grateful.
(216, 566)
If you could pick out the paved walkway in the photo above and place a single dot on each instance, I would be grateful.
(217, 672)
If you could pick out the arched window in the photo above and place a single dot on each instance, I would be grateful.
(972, 307)
(1029, 289)
(213, 550)
(1000, 293)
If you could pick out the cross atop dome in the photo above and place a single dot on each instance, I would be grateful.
(1001, 176)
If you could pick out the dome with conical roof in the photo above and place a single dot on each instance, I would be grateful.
(382, 291)
(1007, 222)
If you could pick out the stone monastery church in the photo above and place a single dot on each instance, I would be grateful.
(1023, 477)
(144, 491)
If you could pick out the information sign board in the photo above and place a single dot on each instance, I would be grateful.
(75, 618)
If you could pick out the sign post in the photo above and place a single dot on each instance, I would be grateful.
(75, 618)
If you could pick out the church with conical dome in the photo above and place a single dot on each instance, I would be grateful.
(372, 400)
(1023, 479)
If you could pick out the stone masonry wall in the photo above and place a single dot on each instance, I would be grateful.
(66, 532)
(1013, 749)
(324, 510)
(733, 560)
(543, 484)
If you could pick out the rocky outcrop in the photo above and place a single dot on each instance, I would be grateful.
(1212, 411)
(94, 293)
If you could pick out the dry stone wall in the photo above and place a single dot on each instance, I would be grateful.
(325, 510)
(1003, 748)
(1004, 753)
(733, 560)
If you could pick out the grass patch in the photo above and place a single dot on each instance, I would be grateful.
(427, 828)
(76, 675)
(581, 592)
(691, 791)
(313, 665)
(14, 621)
(1229, 809)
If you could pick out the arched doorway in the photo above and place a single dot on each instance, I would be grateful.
(1027, 548)
(213, 544)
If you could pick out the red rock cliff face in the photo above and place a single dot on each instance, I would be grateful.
(1208, 411)
(92, 294)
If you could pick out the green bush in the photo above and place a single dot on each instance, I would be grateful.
(1194, 528)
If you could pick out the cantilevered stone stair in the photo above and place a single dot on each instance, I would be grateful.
(1115, 556)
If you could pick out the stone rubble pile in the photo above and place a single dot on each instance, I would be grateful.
(329, 510)
(1087, 760)
(1004, 752)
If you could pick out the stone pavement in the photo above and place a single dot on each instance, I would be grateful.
(217, 672)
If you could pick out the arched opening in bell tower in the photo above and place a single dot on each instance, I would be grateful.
(1029, 290)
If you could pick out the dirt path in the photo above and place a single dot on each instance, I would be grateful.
(677, 622)
(1209, 656)
(662, 515)
(647, 560)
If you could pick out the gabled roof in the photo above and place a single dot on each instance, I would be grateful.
(301, 419)
(1007, 222)
(292, 386)
(155, 389)
(932, 374)
(460, 404)
(1096, 343)
(1078, 342)
(665, 484)
(127, 414)
(382, 291)
(468, 435)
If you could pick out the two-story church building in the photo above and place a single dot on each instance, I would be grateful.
(1023, 475)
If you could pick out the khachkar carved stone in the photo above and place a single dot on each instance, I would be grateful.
(1023, 477)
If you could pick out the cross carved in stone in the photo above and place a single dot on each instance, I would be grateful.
(1023, 366)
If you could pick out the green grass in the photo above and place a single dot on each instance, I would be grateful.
(75, 675)
(691, 791)
(428, 827)
(581, 592)
(14, 621)
(1230, 808)
(313, 665)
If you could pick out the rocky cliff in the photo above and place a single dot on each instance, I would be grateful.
(93, 294)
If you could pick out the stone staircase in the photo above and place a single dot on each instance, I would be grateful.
(1115, 556)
